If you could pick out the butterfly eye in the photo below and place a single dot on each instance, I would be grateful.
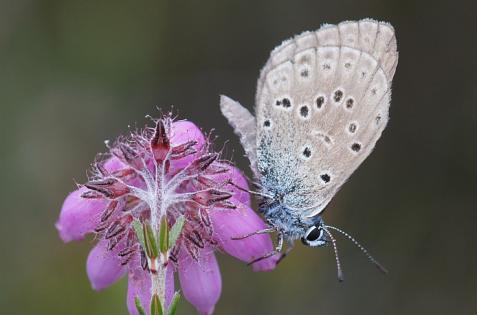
(313, 237)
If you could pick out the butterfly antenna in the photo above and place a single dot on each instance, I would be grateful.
(337, 257)
(364, 250)
(250, 191)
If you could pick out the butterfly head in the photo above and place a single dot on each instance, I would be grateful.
(315, 235)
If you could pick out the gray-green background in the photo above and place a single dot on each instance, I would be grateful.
(74, 73)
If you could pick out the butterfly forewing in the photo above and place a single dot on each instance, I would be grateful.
(244, 125)
(322, 103)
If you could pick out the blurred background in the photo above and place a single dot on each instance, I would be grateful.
(74, 73)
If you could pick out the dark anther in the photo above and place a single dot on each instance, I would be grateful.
(192, 249)
(210, 196)
(143, 260)
(126, 261)
(183, 150)
(204, 217)
(90, 194)
(202, 163)
(118, 226)
(109, 210)
(127, 251)
(129, 154)
(109, 187)
(101, 169)
(195, 238)
(115, 229)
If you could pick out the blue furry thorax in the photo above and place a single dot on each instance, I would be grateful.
(287, 221)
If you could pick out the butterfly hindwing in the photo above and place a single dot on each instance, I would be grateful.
(322, 103)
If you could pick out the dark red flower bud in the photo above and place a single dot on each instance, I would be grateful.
(210, 196)
(160, 142)
(109, 187)
(183, 150)
(202, 163)
(109, 210)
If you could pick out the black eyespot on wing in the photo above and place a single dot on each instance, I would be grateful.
(338, 96)
(349, 103)
(266, 123)
(325, 177)
(378, 119)
(356, 147)
(352, 127)
(307, 152)
(320, 100)
(286, 103)
(304, 73)
(304, 111)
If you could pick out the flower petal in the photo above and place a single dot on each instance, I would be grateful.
(200, 281)
(140, 285)
(79, 216)
(113, 164)
(170, 290)
(182, 132)
(237, 177)
(230, 223)
(104, 266)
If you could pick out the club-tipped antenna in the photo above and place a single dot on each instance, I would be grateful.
(337, 257)
(364, 250)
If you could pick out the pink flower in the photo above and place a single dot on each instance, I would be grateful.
(164, 174)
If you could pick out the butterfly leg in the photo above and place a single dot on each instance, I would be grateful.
(277, 250)
(285, 254)
(264, 231)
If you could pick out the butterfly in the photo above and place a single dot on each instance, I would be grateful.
(322, 103)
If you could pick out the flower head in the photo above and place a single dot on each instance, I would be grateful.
(161, 201)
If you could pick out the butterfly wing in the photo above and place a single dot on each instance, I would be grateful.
(244, 125)
(322, 103)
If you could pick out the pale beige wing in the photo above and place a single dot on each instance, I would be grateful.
(244, 125)
(322, 103)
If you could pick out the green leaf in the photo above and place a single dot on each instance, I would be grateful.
(174, 302)
(176, 231)
(150, 241)
(164, 235)
(139, 233)
(139, 307)
(156, 307)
